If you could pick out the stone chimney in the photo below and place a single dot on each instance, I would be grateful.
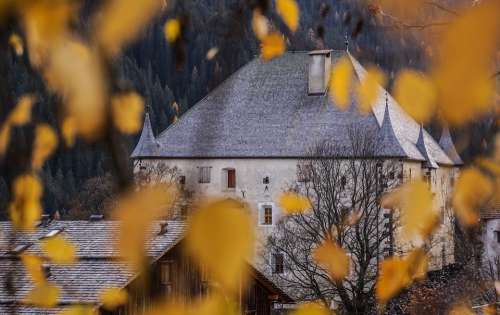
(320, 62)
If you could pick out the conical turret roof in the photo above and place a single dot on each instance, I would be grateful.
(387, 144)
(147, 145)
(422, 147)
(446, 143)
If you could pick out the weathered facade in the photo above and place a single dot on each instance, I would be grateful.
(246, 138)
(99, 266)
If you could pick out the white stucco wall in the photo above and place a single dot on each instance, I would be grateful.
(282, 174)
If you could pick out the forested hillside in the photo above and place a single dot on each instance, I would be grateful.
(76, 182)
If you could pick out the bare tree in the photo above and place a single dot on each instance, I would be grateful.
(156, 173)
(344, 183)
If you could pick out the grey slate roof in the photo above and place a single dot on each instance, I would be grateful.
(446, 142)
(99, 264)
(405, 128)
(264, 110)
(422, 147)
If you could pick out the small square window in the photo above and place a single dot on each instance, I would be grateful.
(265, 180)
(268, 215)
(204, 174)
(279, 265)
(182, 180)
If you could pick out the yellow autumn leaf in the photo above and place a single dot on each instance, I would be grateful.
(111, 298)
(416, 94)
(172, 30)
(16, 43)
(212, 52)
(272, 46)
(340, 83)
(154, 203)
(214, 304)
(311, 308)
(292, 203)
(43, 295)
(393, 277)
(78, 310)
(127, 112)
(397, 273)
(260, 24)
(220, 237)
(84, 95)
(333, 258)
(418, 216)
(417, 264)
(45, 23)
(21, 114)
(25, 209)
(4, 138)
(45, 143)
(463, 70)
(59, 250)
(68, 130)
(289, 12)
(369, 87)
(489, 310)
(121, 21)
(461, 309)
(472, 190)
(33, 265)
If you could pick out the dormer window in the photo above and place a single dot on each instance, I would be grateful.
(52, 233)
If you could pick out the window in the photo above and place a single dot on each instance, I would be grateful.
(497, 236)
(182, 180)
(231, 178)
(278, 266)
(204, 174)
(268, 215)
(166, 275)
(265, 180)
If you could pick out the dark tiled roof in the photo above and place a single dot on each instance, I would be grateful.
(95, 239)
(264, 110)
(29, 310)
(79, 282)
(99, 264)
(446, 142)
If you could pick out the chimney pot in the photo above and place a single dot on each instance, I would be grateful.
(320, 62)
(163, 228)
(96, 217)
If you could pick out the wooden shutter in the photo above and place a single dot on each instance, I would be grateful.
(231, 178)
